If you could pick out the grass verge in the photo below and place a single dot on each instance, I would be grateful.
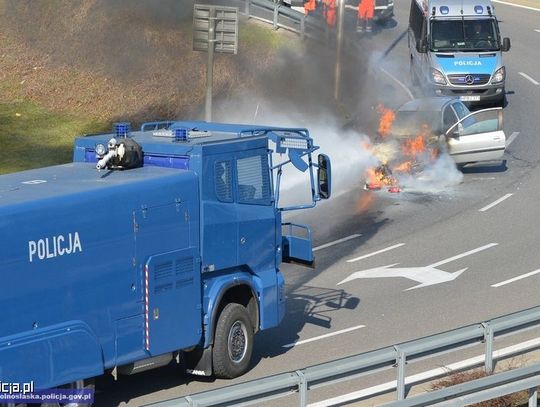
(31, 136)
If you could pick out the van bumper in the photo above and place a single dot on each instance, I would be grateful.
(474, 96)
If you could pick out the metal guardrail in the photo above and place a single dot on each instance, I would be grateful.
(397, 356)
(278, 15)
(476, 391)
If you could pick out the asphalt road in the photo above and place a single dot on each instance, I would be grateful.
(484, 229)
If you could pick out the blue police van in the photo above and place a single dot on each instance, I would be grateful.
(455, 49)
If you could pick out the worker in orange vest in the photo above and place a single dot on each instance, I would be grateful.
(309, 6)
(330, 12)
(366, 10)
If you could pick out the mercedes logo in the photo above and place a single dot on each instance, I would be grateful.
(469, 80)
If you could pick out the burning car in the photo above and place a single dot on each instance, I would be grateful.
(420, 130)
(447, 124)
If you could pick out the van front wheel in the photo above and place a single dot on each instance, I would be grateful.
(233, 342)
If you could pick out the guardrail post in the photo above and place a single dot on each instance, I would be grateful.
(302, 388)
(488, 338)
(401, 360)
(533, 397)
(276, 14)
(248, 4)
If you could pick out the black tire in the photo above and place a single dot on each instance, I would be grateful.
(233, 342)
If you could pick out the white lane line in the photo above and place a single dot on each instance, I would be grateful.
(354, 328)
(538, 31)
(516, 5)
(512, 138)
(459, 256)
(428, 375)
(403, 86)
(521, 277)
(498, 201)
(529, 78)
(324, 246)
(365, 256)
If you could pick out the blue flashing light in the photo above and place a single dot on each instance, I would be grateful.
(444, 9)
(479, 9)
(181, 134)
(122, 129)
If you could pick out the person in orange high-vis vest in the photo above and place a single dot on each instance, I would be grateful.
(366, 11)
(330, 12)
(309, 6)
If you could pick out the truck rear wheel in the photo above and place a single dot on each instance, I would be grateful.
(233, 342)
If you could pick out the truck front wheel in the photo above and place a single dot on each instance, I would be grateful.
(233, 342)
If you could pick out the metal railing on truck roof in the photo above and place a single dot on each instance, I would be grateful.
(396, 357)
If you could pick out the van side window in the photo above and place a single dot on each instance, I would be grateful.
(253, 180)
(223, 181)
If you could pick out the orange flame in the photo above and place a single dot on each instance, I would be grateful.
(386, 120)
(414, 147)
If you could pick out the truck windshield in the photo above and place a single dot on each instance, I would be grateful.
(464, 35)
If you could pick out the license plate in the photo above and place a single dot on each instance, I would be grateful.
(469, 98)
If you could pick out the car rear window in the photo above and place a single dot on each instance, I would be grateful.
(409, 123)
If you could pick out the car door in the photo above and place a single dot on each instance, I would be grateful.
(476, 136)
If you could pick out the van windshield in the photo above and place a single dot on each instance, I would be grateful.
(464, 35)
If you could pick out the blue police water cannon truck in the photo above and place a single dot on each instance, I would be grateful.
(456, 48)
(151, 246)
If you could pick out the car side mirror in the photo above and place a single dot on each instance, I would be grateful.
(506, 44)
(421, 46)
(324, 176)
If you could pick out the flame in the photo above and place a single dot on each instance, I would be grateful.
(386, 119)
(414, 147)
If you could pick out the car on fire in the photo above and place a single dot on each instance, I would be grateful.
(468, 137)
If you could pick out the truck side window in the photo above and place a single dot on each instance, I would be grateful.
(253, 180)
(223, 180)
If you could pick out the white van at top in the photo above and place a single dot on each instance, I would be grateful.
(456, 49)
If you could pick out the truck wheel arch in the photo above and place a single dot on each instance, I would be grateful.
(240, 292)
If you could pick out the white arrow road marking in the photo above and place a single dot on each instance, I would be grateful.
(426, 276)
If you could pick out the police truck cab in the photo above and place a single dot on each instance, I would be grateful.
(456, 50)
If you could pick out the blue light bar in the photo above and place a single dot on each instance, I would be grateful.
(478, 9)
(122, 129)
(444, 9)
(181, 134)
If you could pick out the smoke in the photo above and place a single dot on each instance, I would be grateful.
(436, 177)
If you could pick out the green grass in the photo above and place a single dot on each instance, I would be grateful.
(251, 35)
(32, 137)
